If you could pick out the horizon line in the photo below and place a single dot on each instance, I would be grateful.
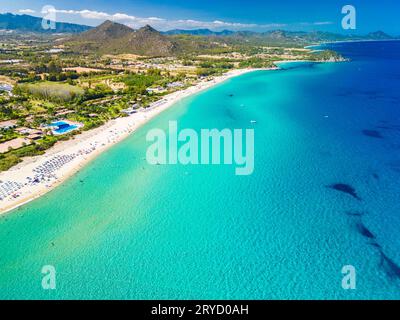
(199, 28)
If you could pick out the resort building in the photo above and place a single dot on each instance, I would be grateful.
(176, 84)
(55, 50)
(64, 112)
(35, 136)
(28, 131)
(6, 125)
(14, 144)
(10, 61)
(6, 87)
(156, 90)
(131, 110)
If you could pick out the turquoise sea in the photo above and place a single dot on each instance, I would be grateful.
(122, 228)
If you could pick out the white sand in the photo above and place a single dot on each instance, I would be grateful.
(84, 147)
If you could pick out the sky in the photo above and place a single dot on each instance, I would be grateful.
(255, 15)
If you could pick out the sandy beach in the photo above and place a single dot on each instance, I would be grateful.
(36, 176)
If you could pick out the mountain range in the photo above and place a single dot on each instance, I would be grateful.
(26, 23)
(281, 34)
(111, 37)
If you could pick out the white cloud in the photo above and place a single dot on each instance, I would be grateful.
(322, 23)
(165, 24)
(26, 11)
(317, 23)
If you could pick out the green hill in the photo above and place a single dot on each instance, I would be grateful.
(111, 37)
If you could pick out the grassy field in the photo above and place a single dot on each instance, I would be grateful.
(4, 79)
(53, 91)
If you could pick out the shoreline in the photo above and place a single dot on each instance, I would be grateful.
(348, 41)
(69, 157)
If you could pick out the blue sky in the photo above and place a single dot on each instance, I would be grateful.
(259, 15)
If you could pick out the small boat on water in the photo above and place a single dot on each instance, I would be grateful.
(253, 121)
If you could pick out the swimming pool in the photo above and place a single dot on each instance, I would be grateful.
(63, 127)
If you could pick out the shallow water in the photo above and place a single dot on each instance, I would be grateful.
(122, 228)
